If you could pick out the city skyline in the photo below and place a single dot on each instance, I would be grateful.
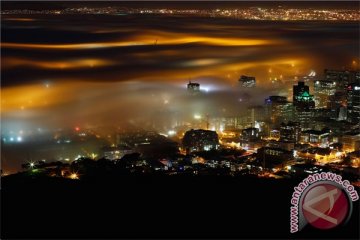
(133, 68)
(180, 119)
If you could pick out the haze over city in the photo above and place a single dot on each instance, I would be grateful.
(62, 71)
(172, 119)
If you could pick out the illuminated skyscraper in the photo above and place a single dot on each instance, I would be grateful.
(256, 113)
(301, 94)
(323, 89)
(336, 102)
(342, 79)
(278, 109)
(304, 104)
(193, 87)
(315, 136)
(247, 81)
(353, 102)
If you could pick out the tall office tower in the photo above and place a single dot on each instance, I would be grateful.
(247, 81)
(342, 78)
(353, 102)
(337, 101)
(193, 87)
(278, 109)
(345, 94)
(304, 105)
(255, 113)
(323, 89)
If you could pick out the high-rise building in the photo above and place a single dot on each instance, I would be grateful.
(322, 113)
(247, 81)
(304, 104)
(200, 140)
(250, 134)
(353, 102)
(341, 102)
(220, 124)
(256, 114)
(278, 109)
(323, 89)
(273, 156)
(290, 132)
(336, 102)
(351, 141)
(341, 78)
(193, 87)
(301, 94)
(315, 136)
(250, 138)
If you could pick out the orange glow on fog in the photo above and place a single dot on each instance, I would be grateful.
(151, 39)
(35, 96)
(69, 64)
(24, 97)
(20, 19)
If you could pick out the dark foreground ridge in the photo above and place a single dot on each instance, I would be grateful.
(154, 207)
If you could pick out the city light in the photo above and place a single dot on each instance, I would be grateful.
(194, 99)
(264, 13)
(74, 176)
(206, 89)
(226, 90)
(295, 153)
(171, 132)
(312, 73)
(197, 116)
